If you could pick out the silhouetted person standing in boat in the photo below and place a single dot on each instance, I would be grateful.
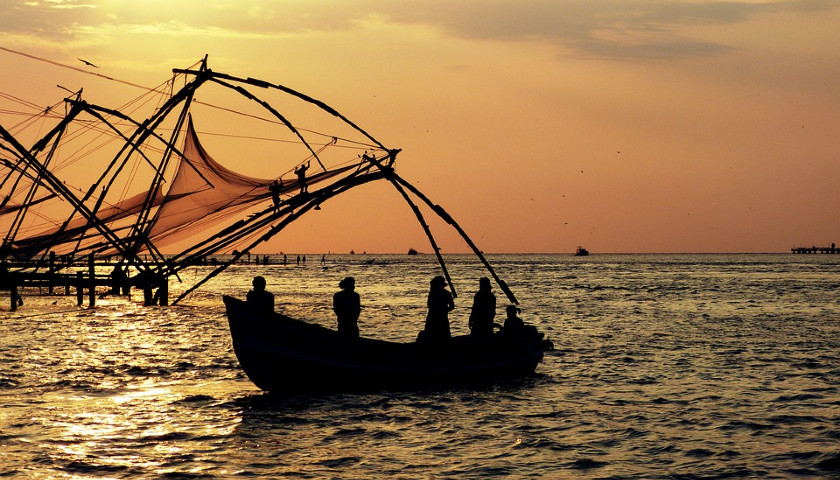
(301, 174)
(259, 298)
(440, 303)
(483, 311)
(347, 307)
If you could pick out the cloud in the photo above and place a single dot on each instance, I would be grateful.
(594, 28)
(590, 28)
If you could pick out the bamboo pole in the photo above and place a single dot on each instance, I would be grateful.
(448, 219)
(62, 189)
(422, 220)
(294, 93)
(311, 200)
(274, 112)
(396, 180)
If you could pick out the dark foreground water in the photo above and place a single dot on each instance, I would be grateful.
(666, 366)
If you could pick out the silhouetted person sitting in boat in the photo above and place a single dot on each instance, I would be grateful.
(514, 326)
(347, 307)
(440, 303)
(259, 298)
(301, 174)
(483, 311)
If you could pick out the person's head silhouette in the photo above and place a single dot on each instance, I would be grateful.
(349, 283)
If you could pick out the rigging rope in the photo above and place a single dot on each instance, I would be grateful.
(143, 224)
(77, 69)
(25, 103)
(161, 91)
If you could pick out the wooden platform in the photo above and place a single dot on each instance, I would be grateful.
(831, 249)
(53, 278)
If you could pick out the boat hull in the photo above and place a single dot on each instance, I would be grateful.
(281, 354)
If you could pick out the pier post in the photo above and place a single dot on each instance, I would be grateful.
(52, 272)
(146, 284)
(80, 293)
(163, 291)
(91, 282)
(13, 290)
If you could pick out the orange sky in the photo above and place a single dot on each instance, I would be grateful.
(623, 126)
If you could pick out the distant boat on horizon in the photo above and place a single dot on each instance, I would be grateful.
(581, 252)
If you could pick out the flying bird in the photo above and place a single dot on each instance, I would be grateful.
(86, 62)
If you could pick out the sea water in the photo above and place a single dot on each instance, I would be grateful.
(665, 366)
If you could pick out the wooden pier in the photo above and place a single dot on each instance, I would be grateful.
(830, 250)
(61, 279)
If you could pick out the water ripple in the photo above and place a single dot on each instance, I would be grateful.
(664, 367)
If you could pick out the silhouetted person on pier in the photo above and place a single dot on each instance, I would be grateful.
(118, 279)
(147, 281)
(259, 298)
(347, 307)
(440, 303)
(301, 174)
(483, 311)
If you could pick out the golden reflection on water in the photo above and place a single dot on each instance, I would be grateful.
(661, 368)
(143, 425)
(118, 388)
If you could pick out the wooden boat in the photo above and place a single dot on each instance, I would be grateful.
(281, 354)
